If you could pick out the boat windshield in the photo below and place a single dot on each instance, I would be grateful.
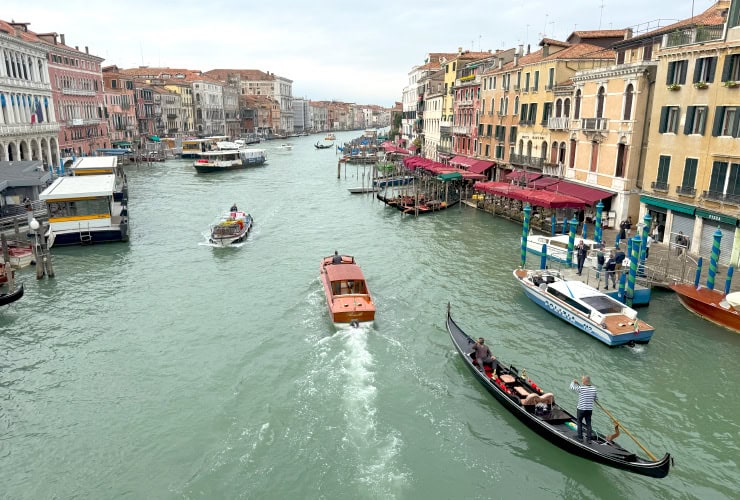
(603, 304)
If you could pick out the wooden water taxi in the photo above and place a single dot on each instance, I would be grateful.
(231, 228)
(584, 307)
(712, 305)
(346, 291)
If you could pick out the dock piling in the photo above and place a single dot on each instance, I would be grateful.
(714, 258)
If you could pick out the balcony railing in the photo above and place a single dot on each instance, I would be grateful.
(76, 122)
(685, 191)
(171, 115)
(444, 149)
(720, 196)
(28, 128)
(78, 92)
(688, 36)
(659, 186)
(466, 102)
(17, 82)
(594, 123)
(558, 123)
(526, 161)
(461, 129)
(445, 130)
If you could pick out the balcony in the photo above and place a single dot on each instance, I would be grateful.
(659, 186)
(171, 116)
(594, 124)
(444, 149)
(526, 161)
(689, 36)
(26, 84)
(78, 92)
(685, 191)
(461, 129)
(722, 197)
(29, 128)
(78, 122)
(445, 130)
(466, 102)
(558, 123)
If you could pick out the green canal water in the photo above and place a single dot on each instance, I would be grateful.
(164, 368)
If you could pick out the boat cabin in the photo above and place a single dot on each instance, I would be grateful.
(346, 280)
(102, 165)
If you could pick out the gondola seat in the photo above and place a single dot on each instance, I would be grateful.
(507, 379)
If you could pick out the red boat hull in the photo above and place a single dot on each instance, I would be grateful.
(705, 303)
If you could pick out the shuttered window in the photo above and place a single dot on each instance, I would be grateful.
(717, 179)
(689, 173)
(704, 69)
(677, 72)
(664, 165)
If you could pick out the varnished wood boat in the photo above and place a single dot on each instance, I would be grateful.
(347, 294)
(538, 411)
(711, 305)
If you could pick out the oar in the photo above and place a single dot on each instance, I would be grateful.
(616, 422)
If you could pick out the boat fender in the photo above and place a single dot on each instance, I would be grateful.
(354, 323)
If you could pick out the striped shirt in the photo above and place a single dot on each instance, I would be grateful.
(586, 396)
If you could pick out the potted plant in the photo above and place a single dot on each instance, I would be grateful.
(674, 86)
(731, 84)
(701, 85)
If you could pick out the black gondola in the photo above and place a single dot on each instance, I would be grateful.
(549, 420)
(10, 297)
(323, 146)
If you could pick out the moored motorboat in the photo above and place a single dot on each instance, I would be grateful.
(397, 180)
(330, 137)
(557, 248)
(20, 254)
(584, 307)
(364, 189)
(539, 411)
(347, 294)
(11, 295)
(231, 228)
(712, 305)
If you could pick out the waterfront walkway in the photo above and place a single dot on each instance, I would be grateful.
(665, 264)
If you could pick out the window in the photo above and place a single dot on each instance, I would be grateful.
(536, 85)
(717, 179)
(566, 107)
(488, 150)
(499, 151)
(676, 72)
(621, 160)
(669, 116)
(600, 102)
(689, 175)
(525, 110)
(731, 69)
(546, 112)
(577, 106)
(696, 119)
(512, 135)
(532, 118)
(661, 180)
(628, 93)
(704, 69)
(488, 130)
(726, 122)
(594, 155)
(516, 105)
(526, 82)
(572, 159)
(550, 78)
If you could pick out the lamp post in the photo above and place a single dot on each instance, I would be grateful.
(37, 256)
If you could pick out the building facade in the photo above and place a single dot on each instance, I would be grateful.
(120, 105)
(28, 123)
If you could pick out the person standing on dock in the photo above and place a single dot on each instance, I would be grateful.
(600, 260)
(587, 396)
(581, 253)
(610, 266)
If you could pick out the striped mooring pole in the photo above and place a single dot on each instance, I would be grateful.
(525, 233)
(598, 229)
(554, 225)
(697, 275)
(714, 258)
(728, 280)
(543, 258)
(571, 241)
(634, 256)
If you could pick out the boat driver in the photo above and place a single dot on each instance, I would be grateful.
(337, 259)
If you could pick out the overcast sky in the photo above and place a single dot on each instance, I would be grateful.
(347, 50)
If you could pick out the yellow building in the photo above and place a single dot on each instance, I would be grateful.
(692, 164)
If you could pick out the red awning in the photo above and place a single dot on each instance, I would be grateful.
(518, 175)
(480, 166)
(460, 160)
(588, 194)
(549, 199)
(543, 182)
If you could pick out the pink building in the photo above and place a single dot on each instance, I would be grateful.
(77, 88)
(120, 107)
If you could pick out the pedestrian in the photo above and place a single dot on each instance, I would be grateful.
(628, 225)
(648, 242)
(623, 230)
(610, 267)
(587, 396)
(681, 243)
(600, 260)
(619, 257)
(483, 354)
(581, 253)
(656, 232)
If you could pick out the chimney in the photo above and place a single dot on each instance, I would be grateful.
(628, 33)
(77, 48)
(529, 49)
(86, 50)
(546, 50)
(459, 51)
(500, 63)
(521, 50)
(61, 38)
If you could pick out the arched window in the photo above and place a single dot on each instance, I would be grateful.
(561, 153)
(577, 105)
(529, 149)
(628, 93)
(566, 107)
(554, 152)
(506, 105)
(516, 105)
(572, 159)
(600, 103)
(521, 147)
(543, 150)
(558, 108)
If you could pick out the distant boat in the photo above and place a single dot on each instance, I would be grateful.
(285, 147)
(323, 146)
(712, 305)
(20, 254)
(366, 189)
(330, 137)
(393, 181)
(231, 228)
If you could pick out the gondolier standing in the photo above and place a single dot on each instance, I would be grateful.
(586, 398)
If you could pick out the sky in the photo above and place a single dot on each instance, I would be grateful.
(347, 50)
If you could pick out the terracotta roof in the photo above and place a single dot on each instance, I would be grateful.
(599, 34)
(21, 31)
(583, 51)
(244, 74)
(714, 15)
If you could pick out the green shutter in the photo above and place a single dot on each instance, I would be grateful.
(663, 120)
(727, 68)
(669, 73)
(719, 112)
(736, 128)
(697, 69)
(689, 124)
(682, 75)
(712, 69)
(706, 117)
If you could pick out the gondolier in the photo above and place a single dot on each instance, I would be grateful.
(482, 354)
(586, 397)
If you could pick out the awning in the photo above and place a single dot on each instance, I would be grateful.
(543, 182)
(125, 144)
(480, 166)
(518, 175)
(154, 138)
(449, 177)
(588, 194)
(717, 217)
(673, 205)
(549, 199)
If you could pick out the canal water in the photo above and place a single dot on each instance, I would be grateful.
(164, 368)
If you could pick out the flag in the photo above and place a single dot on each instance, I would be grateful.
(39, 111)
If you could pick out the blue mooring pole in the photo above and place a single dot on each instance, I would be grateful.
(543, 258)
(728, 281)
(697, 276)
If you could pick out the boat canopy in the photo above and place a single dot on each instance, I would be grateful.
(84, 186)
(338, 272)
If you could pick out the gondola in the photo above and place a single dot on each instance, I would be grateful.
(10, 297)
(323, 146)
(519, 396)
